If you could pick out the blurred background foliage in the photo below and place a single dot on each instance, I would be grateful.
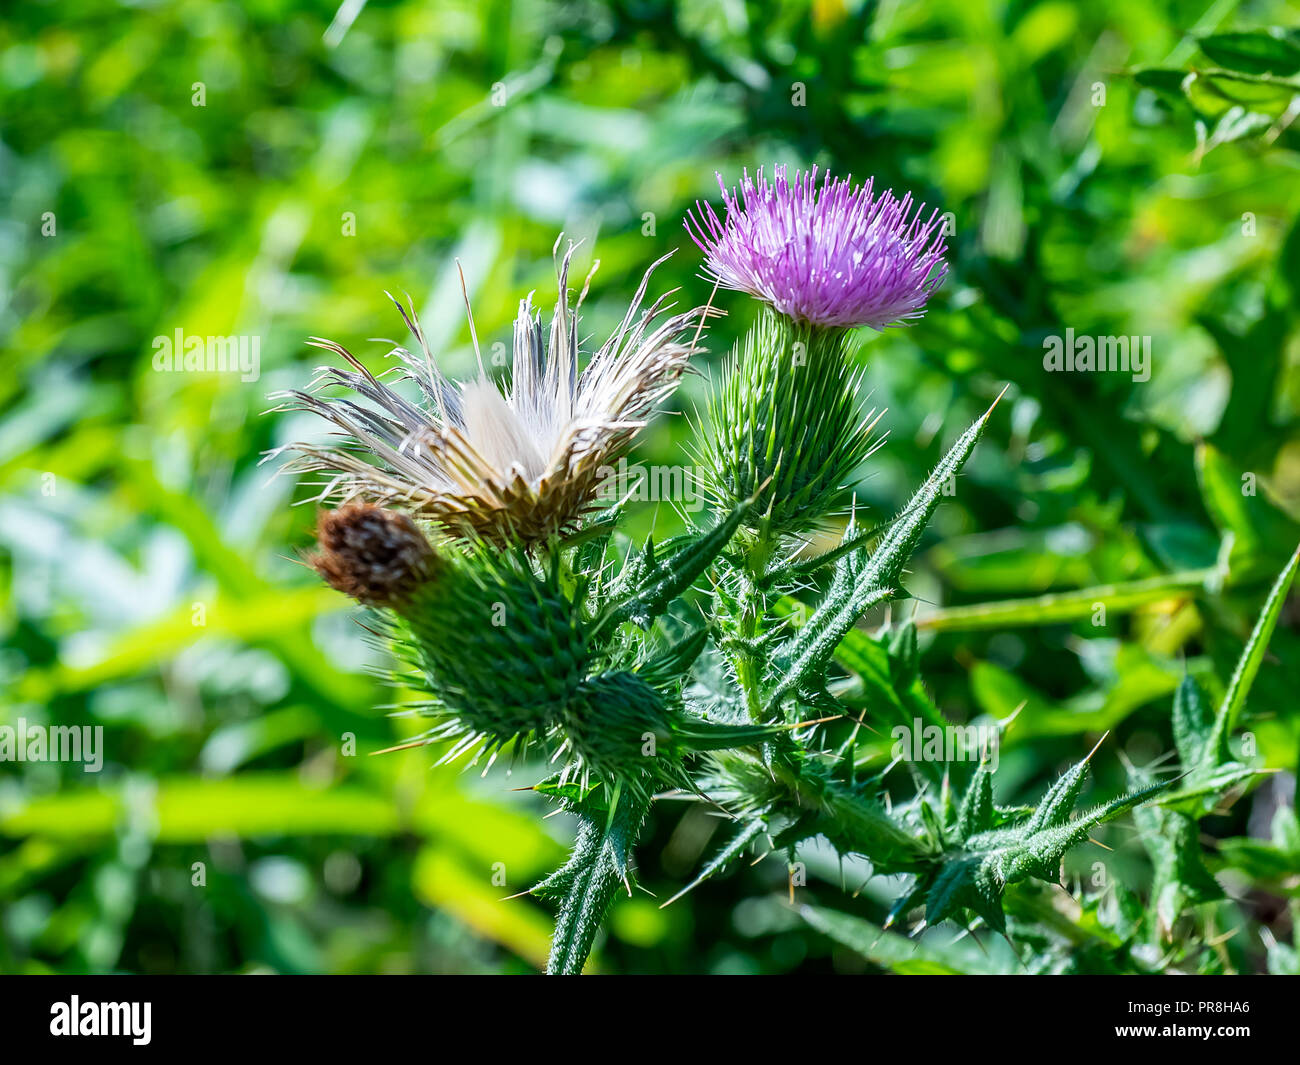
(270, 168)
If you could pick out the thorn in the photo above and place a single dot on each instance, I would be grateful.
(1008, 721)
(988, 412)
(402, 747)
(1095, 746)
(817, 721)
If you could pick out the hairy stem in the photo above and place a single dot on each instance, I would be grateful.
(750, 663)
(596, 869)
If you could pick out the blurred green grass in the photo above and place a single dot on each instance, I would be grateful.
(147, 560)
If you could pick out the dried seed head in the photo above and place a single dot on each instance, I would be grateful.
(378, 557)
(503, 467)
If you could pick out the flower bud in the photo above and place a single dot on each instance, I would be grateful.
(787, 416)
(619, 727)
(622, 729)
(502, 647)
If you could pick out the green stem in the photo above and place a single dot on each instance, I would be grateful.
(753, 608)
(1064, 606)
(595, 871)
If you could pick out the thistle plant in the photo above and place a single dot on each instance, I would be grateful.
(471, 520)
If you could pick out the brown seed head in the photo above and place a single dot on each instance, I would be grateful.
(379, 557)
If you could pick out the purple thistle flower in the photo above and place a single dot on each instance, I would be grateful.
(834, 256)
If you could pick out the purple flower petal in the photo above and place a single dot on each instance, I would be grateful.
(829, 256)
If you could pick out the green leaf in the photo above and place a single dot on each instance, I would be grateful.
(968, 883)
(1039, 853)
(861, 582)
(796, 572)
(1193, 722)
(889, 950)
(651, 585)
(896, 546)
(851, 817)
(1261, 532)
(976, 814)
(888, 695)
(1247, 95)
(1180, 880)
(904, 654)
(973, 876)
(1203, 788)
(1248, 665)
(1058, 803)
(672, 662)
(802, 664)
(1162, 80)
(1253, 53)
(749, 831)
(1277, 861)
(1215, 772)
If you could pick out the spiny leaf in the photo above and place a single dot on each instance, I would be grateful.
(693, 733)
(904, 654)
(798, 572)
(1215, 771)
(1193, 721)
(673, 662)
(1248, 665)
(976, 814)
(804, 663)
(861, 582)
(1039, 853)
(966, 883)
(1181, 879)
(890, 950)
(974, 876)
(1058, 803)
(851, 817)
(1202, 790)
(749, 831)
(654, 584)
(868, 658)
(897, 545)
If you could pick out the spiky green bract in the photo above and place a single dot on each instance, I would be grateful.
(785, 424)
(621, 730)
(502, 648)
